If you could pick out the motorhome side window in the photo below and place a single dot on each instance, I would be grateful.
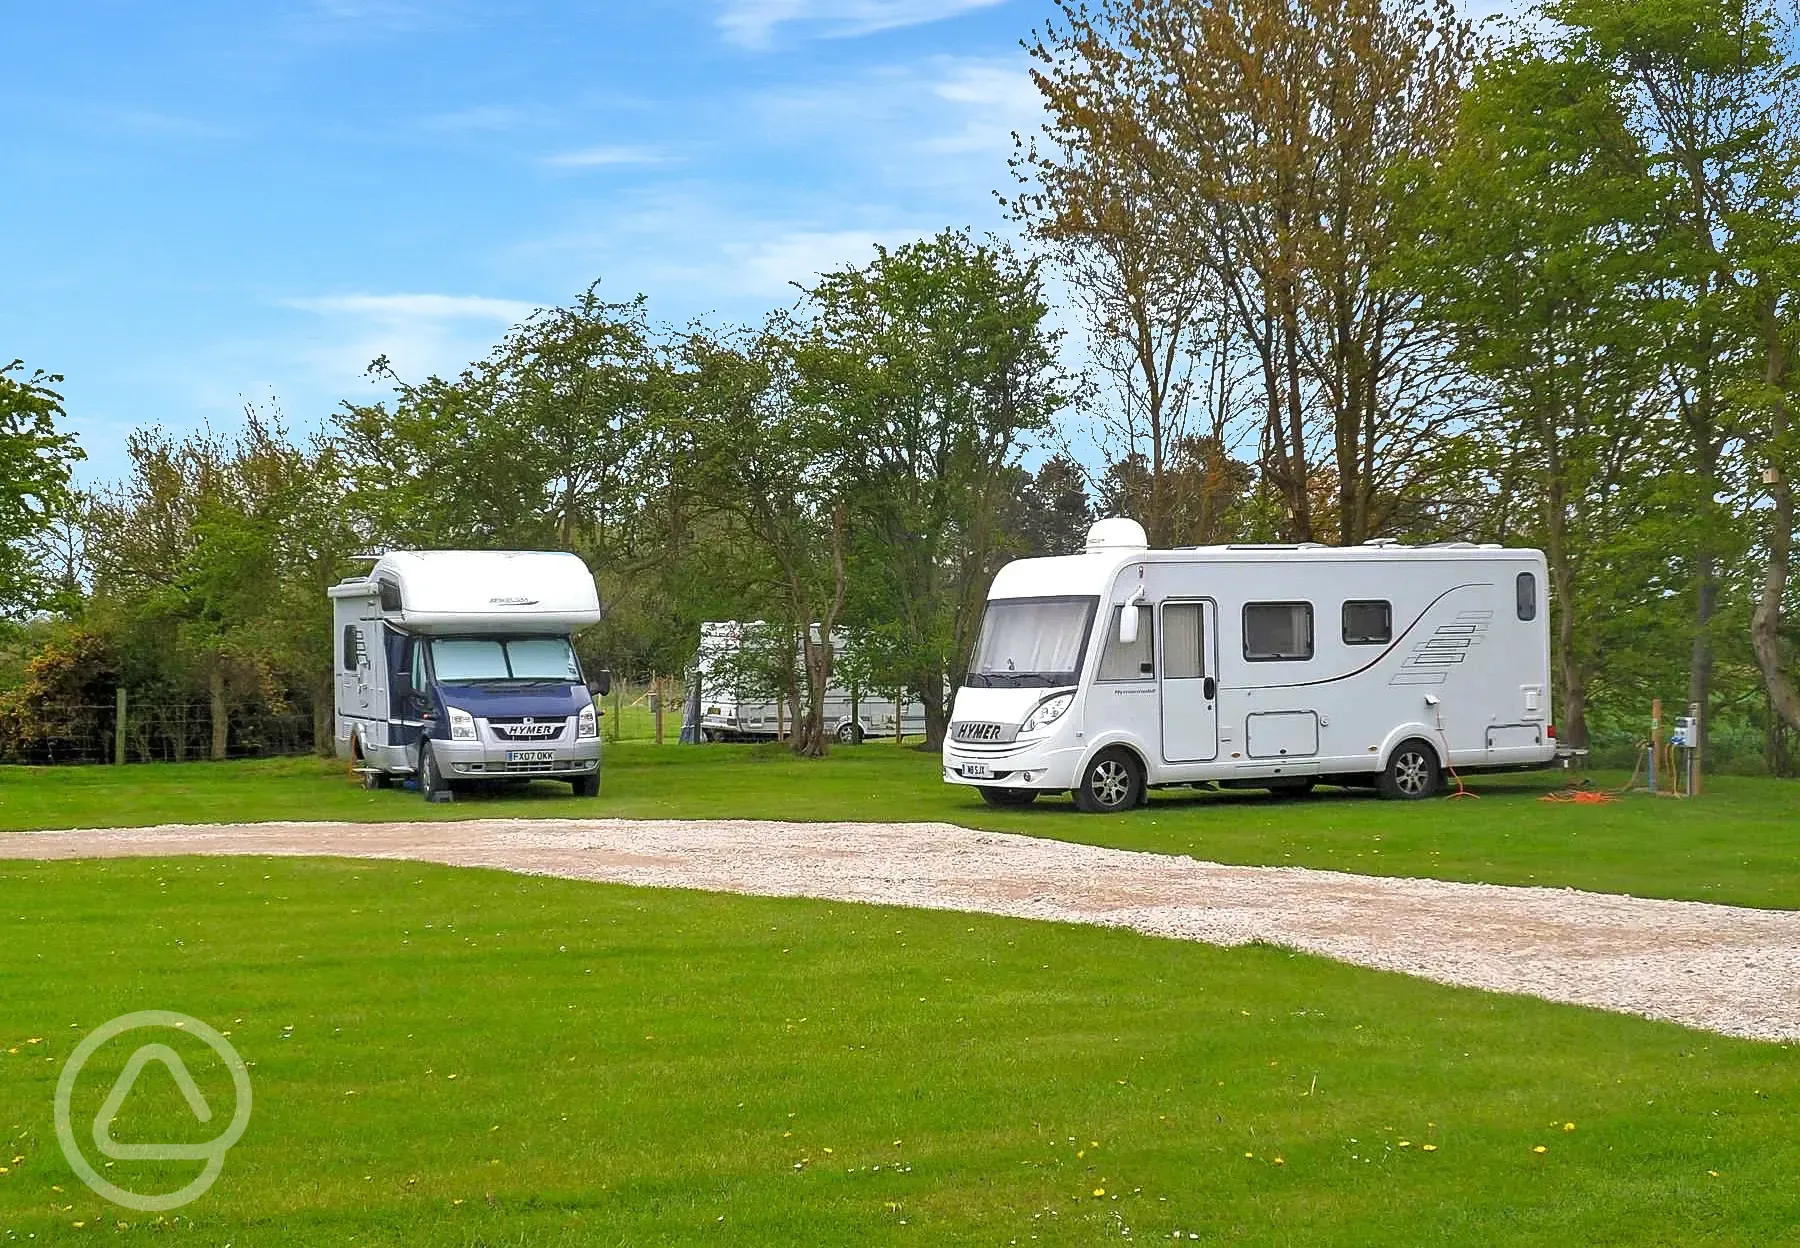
(1136, 661)
(1368, 623)
(353, 648)
(390, 595)
(1526, 590)
(1278, 630)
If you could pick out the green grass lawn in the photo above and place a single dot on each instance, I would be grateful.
(1740, 843)
(473, 1058)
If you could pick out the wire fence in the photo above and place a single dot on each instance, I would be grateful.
(155, 732)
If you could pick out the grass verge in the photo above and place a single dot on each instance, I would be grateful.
(465, 1057)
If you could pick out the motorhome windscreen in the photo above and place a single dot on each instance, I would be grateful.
(460, 659)
(1031, 642)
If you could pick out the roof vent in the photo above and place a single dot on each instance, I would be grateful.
(1117, 533)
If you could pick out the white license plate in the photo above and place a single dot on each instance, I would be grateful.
(976, 771)
(531, 756)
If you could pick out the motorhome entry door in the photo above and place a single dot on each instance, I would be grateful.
(1190, 685)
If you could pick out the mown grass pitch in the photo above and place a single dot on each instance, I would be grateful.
(1740, 843)
(468, 1057)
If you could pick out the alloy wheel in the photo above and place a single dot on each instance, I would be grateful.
(1110, 781)
(1412, 773)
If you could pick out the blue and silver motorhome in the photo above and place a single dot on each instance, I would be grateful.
(459, 668)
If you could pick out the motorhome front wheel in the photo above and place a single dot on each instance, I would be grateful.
(1111, 782)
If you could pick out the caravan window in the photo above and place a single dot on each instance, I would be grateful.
(1135, 661)
(1278, 630)
(390, 594)
(1526, 592)
(1184, 641)
(353, 647)
(1369, 623)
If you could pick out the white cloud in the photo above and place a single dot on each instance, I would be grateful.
(752, 23)
(603, 157)
(771, 265)
(420, 334)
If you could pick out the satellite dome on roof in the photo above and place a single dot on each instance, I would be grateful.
(1117, 533)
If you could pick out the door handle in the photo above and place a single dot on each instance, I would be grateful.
(1209, 689)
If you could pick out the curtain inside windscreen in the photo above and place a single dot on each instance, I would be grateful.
(1043, 637)
(541, 658)
(457, 660)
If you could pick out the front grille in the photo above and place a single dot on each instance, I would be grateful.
(976, 749)
(517, 768)
(527, 730)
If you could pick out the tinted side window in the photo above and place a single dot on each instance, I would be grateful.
(1133, 662)
(1368, 623)
(1278, 630)
(1526, 592)
(352, 647)
(390, 595)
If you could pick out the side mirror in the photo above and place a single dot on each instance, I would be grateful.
(601, 684)
(1128, 624)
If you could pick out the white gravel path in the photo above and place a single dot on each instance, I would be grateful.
(1722, 968)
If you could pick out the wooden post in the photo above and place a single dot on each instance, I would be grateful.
(1694, 754)
(119, 729)
(899, 717)
(656, 700)
(1655, 738)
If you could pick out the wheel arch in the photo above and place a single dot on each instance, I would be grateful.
(1423, 733)
(1124, 743)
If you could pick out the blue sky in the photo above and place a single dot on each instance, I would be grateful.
(214, 204)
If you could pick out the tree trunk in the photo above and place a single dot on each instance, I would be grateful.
(1571, 675)
(324, 717)
(1765, 621)
(931, 697)
(221, 714)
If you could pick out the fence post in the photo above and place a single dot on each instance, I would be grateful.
(119, 728)
(656, 704)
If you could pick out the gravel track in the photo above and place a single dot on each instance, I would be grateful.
(1722, 968)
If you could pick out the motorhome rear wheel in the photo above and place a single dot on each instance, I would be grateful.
(1412, 773)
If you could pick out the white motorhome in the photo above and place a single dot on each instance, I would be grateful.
(458, 667)
(727, 714)
(1274, 666)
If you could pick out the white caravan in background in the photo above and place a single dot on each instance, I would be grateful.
(1276, 666)
(727, 715)
(458, 666)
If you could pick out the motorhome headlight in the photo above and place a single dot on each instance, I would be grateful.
(462, 724)
(587, 724)
(1048, 711)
